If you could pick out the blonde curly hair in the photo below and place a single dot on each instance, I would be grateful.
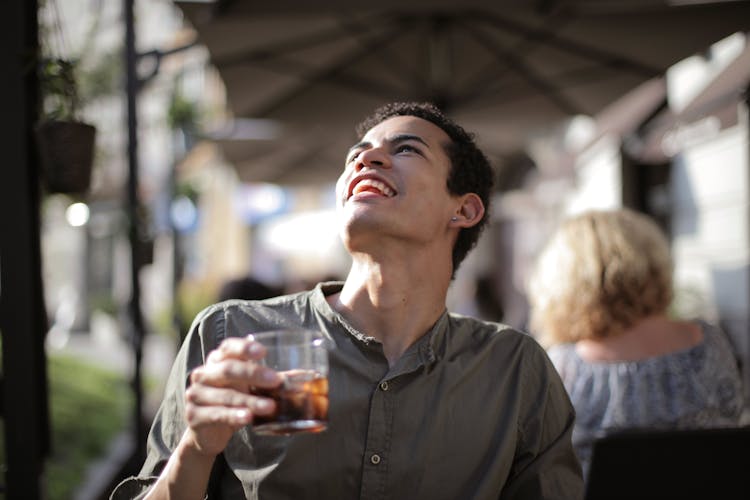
(600, 273)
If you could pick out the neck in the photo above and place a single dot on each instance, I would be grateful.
(655, 335)
(396, 300)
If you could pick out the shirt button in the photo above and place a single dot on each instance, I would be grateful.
(384, 386)
(375, 459)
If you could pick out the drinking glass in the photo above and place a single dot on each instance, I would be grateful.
(300, 356)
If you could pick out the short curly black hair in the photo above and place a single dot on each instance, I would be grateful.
(471, 171)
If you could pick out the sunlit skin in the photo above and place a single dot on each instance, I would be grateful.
(406, 154)
(217, 403)
(400, 238)
(399, 223)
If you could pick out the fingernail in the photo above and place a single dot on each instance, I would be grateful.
(254, 348)
(262, 405)
(269, 376)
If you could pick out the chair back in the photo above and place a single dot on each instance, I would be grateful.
(696, 464)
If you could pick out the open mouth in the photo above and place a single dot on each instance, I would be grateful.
(373, 186)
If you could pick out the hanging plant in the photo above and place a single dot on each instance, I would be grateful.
(65, 143)
(59, 89)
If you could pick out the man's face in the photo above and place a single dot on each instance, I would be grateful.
(394, 182)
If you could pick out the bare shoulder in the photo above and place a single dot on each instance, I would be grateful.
(651, 337)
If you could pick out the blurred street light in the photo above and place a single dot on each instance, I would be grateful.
(77, 214)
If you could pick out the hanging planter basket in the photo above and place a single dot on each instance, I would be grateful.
(66, 150)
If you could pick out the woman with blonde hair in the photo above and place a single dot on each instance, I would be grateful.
(599, 296)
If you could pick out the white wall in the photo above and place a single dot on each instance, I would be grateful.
(710, 191)
(598, 178)
(711, 229)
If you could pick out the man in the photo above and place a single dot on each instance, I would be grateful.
(423, 403)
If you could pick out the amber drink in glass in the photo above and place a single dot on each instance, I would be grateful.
(301, 358)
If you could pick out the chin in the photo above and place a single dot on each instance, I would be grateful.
(360, 227)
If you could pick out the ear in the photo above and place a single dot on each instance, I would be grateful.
(470, 211)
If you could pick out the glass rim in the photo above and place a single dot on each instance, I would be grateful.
(294, 336)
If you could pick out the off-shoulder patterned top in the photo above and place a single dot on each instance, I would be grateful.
(693, 388)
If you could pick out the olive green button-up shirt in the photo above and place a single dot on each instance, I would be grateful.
(472, 410)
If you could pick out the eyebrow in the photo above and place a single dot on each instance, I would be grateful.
(390, 140)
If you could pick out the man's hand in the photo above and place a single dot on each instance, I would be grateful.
(218, 401)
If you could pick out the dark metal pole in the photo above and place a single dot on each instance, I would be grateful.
(136, 325)
(177, 263)
(746, 354)
(23, 319)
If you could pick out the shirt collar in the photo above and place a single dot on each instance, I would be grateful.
(428, 348)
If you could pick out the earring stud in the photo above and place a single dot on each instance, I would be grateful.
(454, 219)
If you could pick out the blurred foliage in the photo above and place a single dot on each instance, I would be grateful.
(89, 407)
(67, 81)
(59, 89)
(162, 321)
(104, 77)
(183, 114)
(192, 297)
(104, 302)
(188, 189)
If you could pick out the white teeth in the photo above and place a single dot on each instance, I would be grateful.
(380, 186)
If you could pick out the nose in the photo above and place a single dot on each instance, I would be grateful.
(374, 157)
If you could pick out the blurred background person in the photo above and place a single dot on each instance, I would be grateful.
(600, 296)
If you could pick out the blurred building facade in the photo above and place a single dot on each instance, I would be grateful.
(675, 148)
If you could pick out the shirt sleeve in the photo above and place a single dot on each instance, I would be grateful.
(169, 423)
(545, 465)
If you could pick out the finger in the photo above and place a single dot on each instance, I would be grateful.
(238, 348)
(235, 373)
(200, 416)
(228, 398)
